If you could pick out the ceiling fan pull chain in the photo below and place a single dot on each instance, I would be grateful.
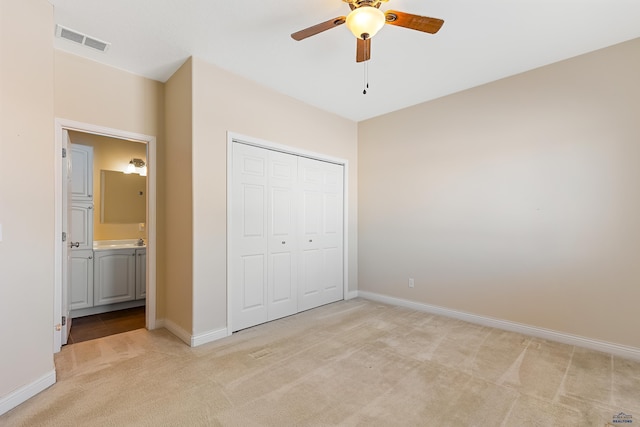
(366, 84)
(366, 70)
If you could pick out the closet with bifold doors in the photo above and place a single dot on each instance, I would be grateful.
(286, 235)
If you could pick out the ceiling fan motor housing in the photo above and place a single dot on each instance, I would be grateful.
(358, 3)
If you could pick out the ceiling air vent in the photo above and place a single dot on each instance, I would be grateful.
(83, 39)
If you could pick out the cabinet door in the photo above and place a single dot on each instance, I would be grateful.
(82, 226)
(114, 276)
(141, 273)
(81, 172)
(81, 279)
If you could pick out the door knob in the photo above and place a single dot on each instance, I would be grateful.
(283, 242)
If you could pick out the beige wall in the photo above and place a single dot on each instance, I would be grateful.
(114, 155)
(89, 92)
(179, 200)
(225, 102)
(516, 200)
(26, 193)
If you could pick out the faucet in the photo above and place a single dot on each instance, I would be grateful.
(140, 242)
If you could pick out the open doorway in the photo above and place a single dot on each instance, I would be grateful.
(107, 249)
(107, 236)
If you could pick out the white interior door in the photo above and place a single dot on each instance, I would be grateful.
(321, 233)
(67, 223)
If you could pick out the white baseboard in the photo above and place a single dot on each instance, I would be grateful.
(175, 330)
(189, 339)
(208, 337)
(606, 347)
(27, 392)
(351, 295)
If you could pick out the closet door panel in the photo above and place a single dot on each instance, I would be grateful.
(311, 291)
(248, 237)
(333, 232)
(252, 282)
(321, 236)
(253, 211)
(282, 244)
(281, 277)
(332, 270)
(311, 243)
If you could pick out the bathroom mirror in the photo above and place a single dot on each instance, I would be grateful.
(122, 197)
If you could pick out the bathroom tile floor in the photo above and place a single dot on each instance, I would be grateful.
(101, 325)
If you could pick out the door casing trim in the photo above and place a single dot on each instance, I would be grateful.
(62, 124)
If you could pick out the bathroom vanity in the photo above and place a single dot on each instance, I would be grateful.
(111, 276)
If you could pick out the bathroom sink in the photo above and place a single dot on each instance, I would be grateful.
(117, 244)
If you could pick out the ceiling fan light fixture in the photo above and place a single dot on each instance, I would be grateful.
(365, 21)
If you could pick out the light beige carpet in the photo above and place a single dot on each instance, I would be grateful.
(353, 363)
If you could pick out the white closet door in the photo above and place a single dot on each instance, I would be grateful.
(248, 238)
(282, 241)
(264, 244)
(321, 233)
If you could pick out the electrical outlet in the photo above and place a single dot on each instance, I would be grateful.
(411, 284)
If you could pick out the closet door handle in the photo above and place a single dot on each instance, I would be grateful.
(310, 241)
(75, 245)
(283, 242)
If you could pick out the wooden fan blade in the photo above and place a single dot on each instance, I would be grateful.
(414, 22)
(324, 26)
(363, 50)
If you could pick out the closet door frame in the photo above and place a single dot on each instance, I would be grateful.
(233, 138)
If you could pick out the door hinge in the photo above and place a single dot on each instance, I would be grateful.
(64, 236)
(64, 320)
(64, 153)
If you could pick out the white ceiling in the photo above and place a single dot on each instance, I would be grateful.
(480, 41)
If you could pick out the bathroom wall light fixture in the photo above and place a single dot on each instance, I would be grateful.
(137, 166)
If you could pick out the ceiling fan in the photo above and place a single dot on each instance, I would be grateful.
(366, 19)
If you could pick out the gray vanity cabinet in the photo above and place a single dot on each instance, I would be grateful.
(81, 237)
(82, 173)
(114, 276)
(81, 279)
